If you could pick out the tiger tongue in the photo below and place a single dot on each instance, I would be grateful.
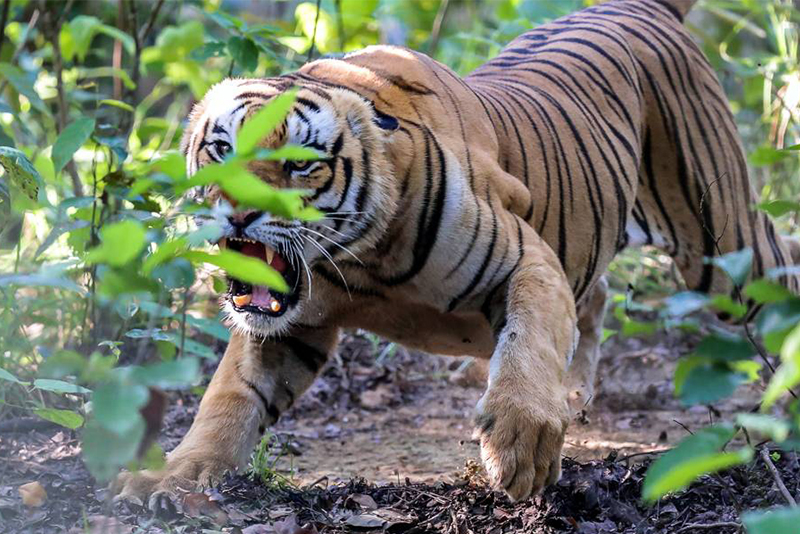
(261, 297)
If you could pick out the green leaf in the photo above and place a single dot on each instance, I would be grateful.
(725, 347)
(736, 264)
(766, 291)
(696, 455)
(59, 386)
(120, 244)
(116, 406)
(5, 375)
(685, 302)
(40, 279)
(766, 155)
(288, 152)
(244, 268)
(244, 52)
(154, 458)
(264, 121)
(65, 418)
(20, 171)
(117, 104)
(190, 346)
(788, 374)
(105, 452)
(211, 49)
(777, 521)
(778, 208)
(76, 36)
(776, 429)
(154, 333)
(775, 321)
(725, 304)
(63, 363)
(176, 373)
(70, 140)
(23, 85)
(700, 381)
(212, 327)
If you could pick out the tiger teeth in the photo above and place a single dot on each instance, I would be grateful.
(269, 254)
(274, 305)
(242, 300)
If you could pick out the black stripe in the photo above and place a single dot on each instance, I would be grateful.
(311, 358)
(270, 408)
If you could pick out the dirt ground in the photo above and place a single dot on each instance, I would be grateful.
(381, 442)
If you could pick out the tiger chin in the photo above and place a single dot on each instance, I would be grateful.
(470, 216)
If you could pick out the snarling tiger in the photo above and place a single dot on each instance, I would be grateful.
(471, 216)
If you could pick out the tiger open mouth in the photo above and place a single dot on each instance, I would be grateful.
(260, 299)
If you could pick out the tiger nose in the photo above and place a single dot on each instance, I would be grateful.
(243, 219)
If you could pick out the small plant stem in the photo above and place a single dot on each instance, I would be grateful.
(738, 291)
(777, 476)
(340, 25)
(183, 319)
(3, 22)
(21, 44)
(52, 29)
(314, 34)
(438, 23)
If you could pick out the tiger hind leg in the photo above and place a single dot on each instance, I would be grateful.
(582, 372)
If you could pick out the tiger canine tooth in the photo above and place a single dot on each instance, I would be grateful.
(275, 306)
(269, 253)
(242, 300)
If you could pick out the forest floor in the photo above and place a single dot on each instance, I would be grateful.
(381, 442)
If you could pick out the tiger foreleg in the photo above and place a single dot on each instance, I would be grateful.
(523, 415)
(256, 381)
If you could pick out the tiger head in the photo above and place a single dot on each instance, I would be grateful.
(352, 185)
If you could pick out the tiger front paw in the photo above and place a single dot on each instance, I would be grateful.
(181, 474)
(520, 442)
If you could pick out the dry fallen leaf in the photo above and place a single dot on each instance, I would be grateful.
(33, 494)
(365, 501)
(289, 526)
(101, 524)
(199, 505)
(380, 518)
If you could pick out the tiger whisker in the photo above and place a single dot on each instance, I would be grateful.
(334, 230)
(334, 242)
(296, 251)
(330, 259)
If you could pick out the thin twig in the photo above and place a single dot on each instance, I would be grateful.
(3, 22)
(777, 476)
(709, 526)
(314, 34)
(148, 26)
(340, 25)
(183, 320)
(438, 23)
(52, 29)
(737, 290)
(21, 45)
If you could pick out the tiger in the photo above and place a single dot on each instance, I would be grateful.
(472, 216)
